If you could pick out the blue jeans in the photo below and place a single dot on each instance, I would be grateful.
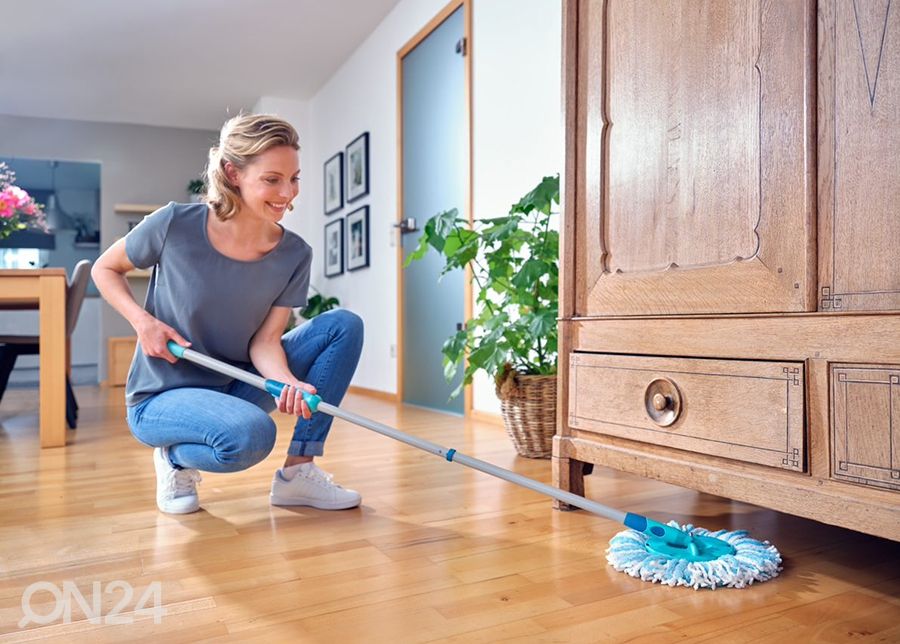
(228, 429)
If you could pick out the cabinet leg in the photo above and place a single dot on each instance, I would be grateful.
(568, 475)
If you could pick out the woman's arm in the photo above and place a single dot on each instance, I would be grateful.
(267, 355)
(109, 276)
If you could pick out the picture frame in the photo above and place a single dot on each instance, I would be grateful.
(357, 158)
(334, 248)
(333, 183)
(358, 239)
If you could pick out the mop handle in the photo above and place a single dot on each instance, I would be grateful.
(315, 403)
(637, 522)
(266, 384)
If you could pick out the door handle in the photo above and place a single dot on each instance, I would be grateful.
(407, 225)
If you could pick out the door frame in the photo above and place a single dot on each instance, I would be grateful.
(411, 44)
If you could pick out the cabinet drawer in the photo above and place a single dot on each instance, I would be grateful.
(865, 424)
(745, 410)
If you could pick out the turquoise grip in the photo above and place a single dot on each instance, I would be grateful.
(176, 349)
(275, 388)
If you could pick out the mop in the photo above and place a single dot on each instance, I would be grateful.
(669, 554)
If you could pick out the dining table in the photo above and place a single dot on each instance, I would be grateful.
(44, 289)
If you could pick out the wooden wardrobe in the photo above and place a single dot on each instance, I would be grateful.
(730, 255)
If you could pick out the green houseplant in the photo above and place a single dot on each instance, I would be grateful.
(514, 263)
(316, 304)
(197, 190)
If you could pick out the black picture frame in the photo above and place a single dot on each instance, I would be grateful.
(333, 183)
(334, 248)
(358, 239)
(357, 161)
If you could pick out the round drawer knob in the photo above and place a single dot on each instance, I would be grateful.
(662, 400)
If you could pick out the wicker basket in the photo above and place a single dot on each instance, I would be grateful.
(528, 406)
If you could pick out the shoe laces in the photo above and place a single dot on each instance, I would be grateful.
(183, 482)
(317, 474)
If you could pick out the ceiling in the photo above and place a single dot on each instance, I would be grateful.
(176, 63)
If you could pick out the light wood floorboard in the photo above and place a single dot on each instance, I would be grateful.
(437, 552)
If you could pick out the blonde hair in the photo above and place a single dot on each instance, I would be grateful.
(242, 139)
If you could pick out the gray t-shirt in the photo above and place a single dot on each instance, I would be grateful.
(215, 302)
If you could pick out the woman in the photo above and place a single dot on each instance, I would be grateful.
(225, 277)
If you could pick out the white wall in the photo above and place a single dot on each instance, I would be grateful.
(517, 140)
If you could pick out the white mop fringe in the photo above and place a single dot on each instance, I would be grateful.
(753, 561)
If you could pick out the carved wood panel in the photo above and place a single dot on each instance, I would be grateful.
(865, 424)
(859, 155)
(696, 190)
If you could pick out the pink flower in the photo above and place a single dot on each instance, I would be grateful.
(7, 204)
(22, 197)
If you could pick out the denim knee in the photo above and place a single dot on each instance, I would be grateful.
(346, 319)
(247, 445)
(335, 324)
(347, 323)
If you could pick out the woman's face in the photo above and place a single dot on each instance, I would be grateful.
(269, 183)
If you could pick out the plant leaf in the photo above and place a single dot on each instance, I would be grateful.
(531, 272)
(541, 198)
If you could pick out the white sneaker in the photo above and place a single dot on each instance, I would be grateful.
(176, 490)
(314, 487)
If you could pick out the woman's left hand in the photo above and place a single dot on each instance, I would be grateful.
(291, 399)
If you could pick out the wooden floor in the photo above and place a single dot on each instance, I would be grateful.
(437, 552)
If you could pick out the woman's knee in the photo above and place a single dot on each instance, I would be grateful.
(248, 444)
(347, 320)
(346, 325)
(336, 325)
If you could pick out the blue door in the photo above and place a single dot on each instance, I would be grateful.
(435, 174)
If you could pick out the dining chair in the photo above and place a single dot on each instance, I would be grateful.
(13, 346)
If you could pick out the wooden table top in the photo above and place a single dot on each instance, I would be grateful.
(31, 272)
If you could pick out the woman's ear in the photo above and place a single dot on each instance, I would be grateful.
(232, 173)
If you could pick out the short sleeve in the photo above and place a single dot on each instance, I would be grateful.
(144, 243)
(297, 289)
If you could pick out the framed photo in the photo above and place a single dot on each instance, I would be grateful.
(334, 248)
(358, 239)
(334, 183)
(358, 167)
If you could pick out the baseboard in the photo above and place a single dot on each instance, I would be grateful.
(373, 393)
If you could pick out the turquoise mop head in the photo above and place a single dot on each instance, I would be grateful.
(704, 560)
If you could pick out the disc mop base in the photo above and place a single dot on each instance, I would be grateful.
(741, 561)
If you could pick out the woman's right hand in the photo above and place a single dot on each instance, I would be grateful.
(153, 336)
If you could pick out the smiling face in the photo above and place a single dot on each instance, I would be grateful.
(269, 183)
